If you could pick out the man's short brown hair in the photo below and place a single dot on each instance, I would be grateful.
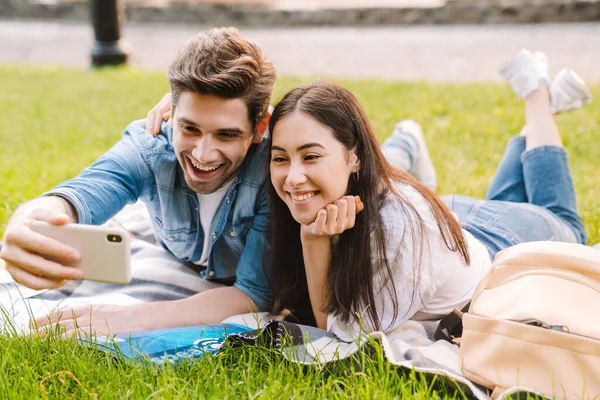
(221, 62)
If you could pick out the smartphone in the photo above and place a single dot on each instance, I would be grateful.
(104, 251)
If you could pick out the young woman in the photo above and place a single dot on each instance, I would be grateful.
(364, 245)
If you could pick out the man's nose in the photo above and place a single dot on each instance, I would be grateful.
(296, 174)
(204, 149)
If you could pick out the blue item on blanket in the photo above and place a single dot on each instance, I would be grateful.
(172, 345)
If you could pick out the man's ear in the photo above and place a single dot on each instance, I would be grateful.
(261, 129)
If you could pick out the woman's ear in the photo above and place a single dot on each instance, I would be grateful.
(354, 161)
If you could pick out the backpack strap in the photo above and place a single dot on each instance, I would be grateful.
(450, 327)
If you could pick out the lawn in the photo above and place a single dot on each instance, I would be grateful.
(57, 121)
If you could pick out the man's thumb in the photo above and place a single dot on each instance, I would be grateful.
(53, 217)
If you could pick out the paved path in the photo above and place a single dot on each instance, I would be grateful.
(439, 53)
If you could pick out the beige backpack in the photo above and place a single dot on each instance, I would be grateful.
(534, 322)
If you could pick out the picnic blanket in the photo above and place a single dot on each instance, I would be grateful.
(158, 276)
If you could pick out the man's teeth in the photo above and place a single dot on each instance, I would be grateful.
(202, 167)
(304, 196)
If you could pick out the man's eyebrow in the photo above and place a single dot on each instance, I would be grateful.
(187, 121)
(231, 130)
(300, 148)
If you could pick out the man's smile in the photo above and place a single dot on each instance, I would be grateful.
(203, 172)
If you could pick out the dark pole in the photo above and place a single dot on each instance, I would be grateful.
(108, 49)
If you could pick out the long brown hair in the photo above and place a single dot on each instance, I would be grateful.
(359, 256)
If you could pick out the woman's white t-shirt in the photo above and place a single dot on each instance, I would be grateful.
(442, 282)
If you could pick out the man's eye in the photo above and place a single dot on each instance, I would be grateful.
(188, 128)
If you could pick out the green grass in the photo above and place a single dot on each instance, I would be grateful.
(57, 121)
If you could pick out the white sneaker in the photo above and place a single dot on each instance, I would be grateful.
(418, 162)
(524, 72)
(568, 92)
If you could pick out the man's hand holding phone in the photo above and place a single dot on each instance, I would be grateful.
(35, 260)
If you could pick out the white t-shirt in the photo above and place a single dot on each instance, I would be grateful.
(443, 282)
(208, 205)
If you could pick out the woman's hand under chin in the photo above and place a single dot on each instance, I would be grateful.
(334, 219)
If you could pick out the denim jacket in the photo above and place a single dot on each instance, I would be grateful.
(144, 167)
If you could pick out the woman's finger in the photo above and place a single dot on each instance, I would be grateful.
(342, 215)
(320, 223)
(350, 212)
(359, 204)
(158, 119)
(332, 217)
(149, 127)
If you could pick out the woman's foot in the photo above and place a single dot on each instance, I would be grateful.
(568, 92)
(525, 71)
(406, 150)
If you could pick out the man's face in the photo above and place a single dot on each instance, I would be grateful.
(211, 137)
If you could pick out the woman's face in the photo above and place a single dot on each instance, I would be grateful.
(309, 166)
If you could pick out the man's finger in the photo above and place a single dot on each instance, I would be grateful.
(38, 265)
(20, 241)
(64, 316)
(33, 281)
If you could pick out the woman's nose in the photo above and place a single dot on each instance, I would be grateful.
(296, 175)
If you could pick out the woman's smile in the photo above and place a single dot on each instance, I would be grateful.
(302, 198)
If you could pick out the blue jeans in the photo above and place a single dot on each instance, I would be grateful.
(531, 198)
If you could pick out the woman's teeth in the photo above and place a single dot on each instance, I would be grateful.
(203, 168)
(303, 196)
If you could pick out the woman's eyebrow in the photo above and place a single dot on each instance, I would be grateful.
(300, 148)
(277, 148)
(308, 145)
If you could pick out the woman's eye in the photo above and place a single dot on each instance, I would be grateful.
(278, 159)
(311, 157)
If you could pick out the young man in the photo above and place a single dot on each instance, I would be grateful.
(203, 182)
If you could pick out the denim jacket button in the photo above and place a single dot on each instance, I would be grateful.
(214, 235)
(172, 238)
(211, 273)
(232, 233)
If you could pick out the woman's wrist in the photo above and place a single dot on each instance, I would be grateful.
(307, 236)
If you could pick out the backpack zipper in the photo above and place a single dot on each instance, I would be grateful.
(540, 324)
